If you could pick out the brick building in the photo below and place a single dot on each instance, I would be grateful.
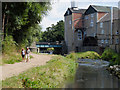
(95, 27)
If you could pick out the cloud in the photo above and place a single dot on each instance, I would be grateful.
(55, 15)
(60, 6)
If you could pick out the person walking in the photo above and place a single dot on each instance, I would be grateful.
(27, 54)
(23, 54)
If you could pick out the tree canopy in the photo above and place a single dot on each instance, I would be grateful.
(54, 33)
(21, 19)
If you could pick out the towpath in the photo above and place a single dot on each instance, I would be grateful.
(9, 70)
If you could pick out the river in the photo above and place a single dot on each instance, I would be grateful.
(93, 74)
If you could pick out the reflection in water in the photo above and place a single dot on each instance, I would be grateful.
(94, 76)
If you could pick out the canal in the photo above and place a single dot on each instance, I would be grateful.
(93, 74)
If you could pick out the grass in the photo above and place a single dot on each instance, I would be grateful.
(11, 58)
(88, 54)
(52, 75)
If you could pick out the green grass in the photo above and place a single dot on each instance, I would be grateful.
(88, 54)
(11, 58)
(52, 75)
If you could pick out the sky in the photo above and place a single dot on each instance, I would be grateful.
(59, 8)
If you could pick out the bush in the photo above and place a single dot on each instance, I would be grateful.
(88, 54)
(50, 49)
(8, 45)
(110, 55)
(9, 51)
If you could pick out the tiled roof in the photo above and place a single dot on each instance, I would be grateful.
(101, 8)
(108, 16)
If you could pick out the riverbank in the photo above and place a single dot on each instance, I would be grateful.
(114, 59)
(115, 70)
(52, 75)
(58, 71)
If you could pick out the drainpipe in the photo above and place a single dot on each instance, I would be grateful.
(111, 23)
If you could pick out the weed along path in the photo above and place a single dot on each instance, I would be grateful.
(9, 70)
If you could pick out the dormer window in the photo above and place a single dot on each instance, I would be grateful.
(68, 12)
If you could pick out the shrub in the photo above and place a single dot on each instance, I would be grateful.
(9, 51)
(111, 56)
(88, 54)
(50, 49)
(8, 45)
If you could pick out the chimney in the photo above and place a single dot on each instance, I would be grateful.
(72, 4)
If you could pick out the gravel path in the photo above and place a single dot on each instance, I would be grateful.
(9, 70)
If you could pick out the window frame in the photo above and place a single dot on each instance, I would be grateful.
(101, 24)
(91, 23)
(117, 41)
(92, 15)
(102, 41)
(102, 31)
(70, 22)
(79, 34)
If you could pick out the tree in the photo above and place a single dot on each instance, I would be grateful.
(54, 33)
(20, 19)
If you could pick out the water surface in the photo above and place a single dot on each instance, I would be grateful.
(93, 74)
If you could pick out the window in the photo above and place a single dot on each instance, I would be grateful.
(92, 15)
(79, 35)
(70, 22)
(106, 41)
(117, 41)
(91, 23)
(68, 12)
(85, 33)
(86, 17)
(101, 25)
(102, 41)
(102, 32)
(94, 34)
(117, 32)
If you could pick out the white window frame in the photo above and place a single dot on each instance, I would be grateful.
(106, 41)
(102, 41)
(92, 15)
(91, 23)
(68, 12)
(79, 35)
(102, 31)
(101, 24)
